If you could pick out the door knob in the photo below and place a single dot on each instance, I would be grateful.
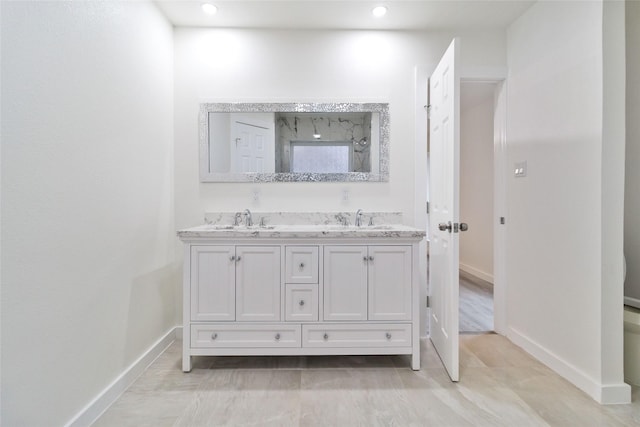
(464, 226)
(445, 227)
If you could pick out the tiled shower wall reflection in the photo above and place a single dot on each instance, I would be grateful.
(353, 127)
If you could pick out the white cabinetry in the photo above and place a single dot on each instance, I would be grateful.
(345, 282)
(367, 283)
(389, 274)
(300, 297)
(213, 283)
(257, 283)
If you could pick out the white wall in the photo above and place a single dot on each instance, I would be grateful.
(632, 171)
(88, 240)
(556, 269)
(315, 66)
(255, 65)
(476, 178)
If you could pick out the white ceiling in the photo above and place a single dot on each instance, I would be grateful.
(433, 15)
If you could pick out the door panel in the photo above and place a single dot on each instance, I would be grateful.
(258, 283)
(345, 283)
(213, 283)
(389, 269)
(252, 147)
(444, 190)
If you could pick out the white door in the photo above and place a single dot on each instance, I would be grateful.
(444, 189)
(258, 283)
(251, 148)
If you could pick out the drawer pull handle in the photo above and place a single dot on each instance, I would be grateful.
(301, 265)
(388, 335)
(301, 303)
(214, 336)
(277, 337)
(326, 337)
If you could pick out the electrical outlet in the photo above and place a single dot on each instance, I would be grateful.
(345, 195)
(520, 169)
(255, 196)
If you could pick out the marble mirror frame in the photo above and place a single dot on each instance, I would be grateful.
(206, 175)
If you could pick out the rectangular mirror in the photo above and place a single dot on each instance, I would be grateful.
(289, 142)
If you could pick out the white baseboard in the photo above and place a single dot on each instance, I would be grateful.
(633, 302)
(601, 393)
(110, 394)
(475, 272)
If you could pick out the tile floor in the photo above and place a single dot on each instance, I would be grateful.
(500, 385)
(476, 304)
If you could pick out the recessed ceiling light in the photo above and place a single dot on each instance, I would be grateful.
(209, 8)
(379, 11)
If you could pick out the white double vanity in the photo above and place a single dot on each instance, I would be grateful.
(302, 284)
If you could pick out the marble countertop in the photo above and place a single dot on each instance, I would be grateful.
(221, 231)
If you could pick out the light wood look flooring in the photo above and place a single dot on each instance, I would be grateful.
(500, 385)
(476, 304)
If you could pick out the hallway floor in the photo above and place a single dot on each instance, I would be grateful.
(500, 385)
(476, 304)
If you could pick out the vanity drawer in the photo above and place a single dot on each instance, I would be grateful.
(357, 335)
(301, 303)
(224, 335)
(301, 264)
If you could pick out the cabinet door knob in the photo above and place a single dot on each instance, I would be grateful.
(388, 335)
(364, 258)
(301, 265)
(277, 337)
(214, 336)
(301, 303)
(233, 258)
(238, 258)
(326, 337)
(370, 258)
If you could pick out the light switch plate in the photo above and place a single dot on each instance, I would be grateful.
(520, 169)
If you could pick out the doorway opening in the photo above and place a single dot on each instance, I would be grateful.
(476, 278)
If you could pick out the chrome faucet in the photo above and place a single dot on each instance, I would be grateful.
(358, 222)
(247, 215)
(237, 219)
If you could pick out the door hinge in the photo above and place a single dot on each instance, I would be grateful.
(502, 221)
(428, 109)
(427, 207)
(428, 302)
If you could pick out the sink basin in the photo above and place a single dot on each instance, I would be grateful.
(222, 227)
(214, 227)
(256, 227)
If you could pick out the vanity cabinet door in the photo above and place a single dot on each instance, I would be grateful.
(257, 283)
(345, 283)
(213, 277)
(389, 270)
